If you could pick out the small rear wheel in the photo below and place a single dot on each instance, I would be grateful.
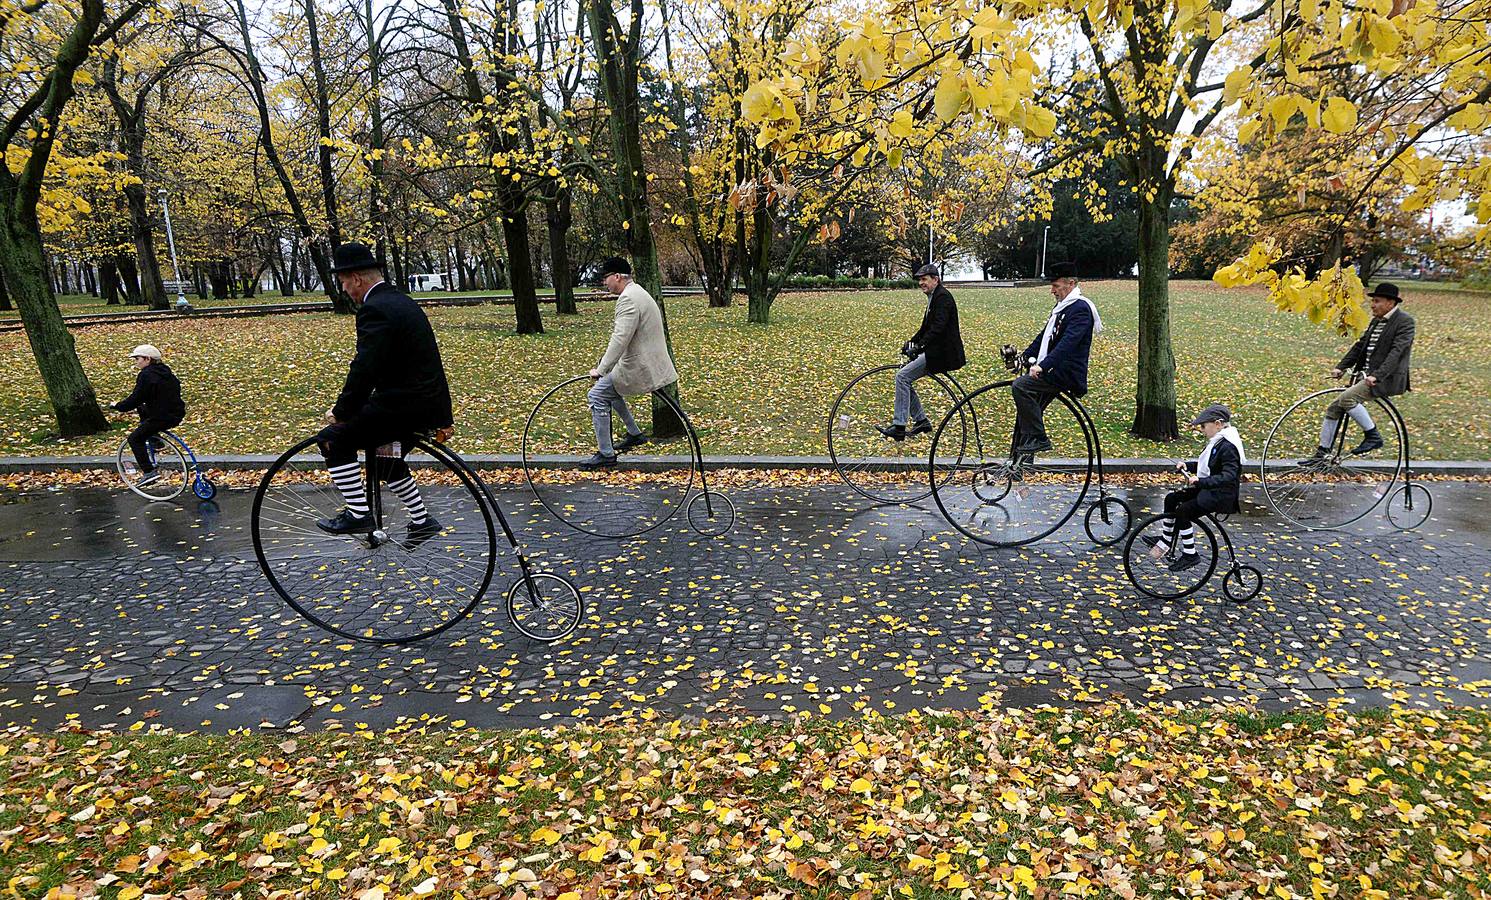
(544, 607)
(1107, 521)
(203, 488)
(711, 514)
(1242, 584)
(1409, 506)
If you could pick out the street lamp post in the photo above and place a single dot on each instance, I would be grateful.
(1044, 233)
(929, 243)
(171, 240)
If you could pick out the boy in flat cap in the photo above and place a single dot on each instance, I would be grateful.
(1212, 489)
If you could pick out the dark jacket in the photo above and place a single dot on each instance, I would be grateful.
(157, 395)
(1071, 343)
(1217, 492)
(1389, 362)
(397, 370)
(939, 337)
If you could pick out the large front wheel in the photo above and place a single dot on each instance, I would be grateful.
(1333, 489)
(996, 496)
(1165, 562)
(400, 583)
(171, 473)
(879, 467)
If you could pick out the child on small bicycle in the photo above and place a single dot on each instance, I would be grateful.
(1212, 489)
(157, 395)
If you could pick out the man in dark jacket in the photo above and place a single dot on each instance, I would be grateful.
(1213, 489)
(1382, 355)
(1057, 360)
(936, 347)
(395, 388)
(157, 395)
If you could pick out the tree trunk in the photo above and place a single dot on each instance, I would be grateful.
(375, 163)
(758, 267)
(558, 218)
(108, 281)
(5, 303)
(152, 287)
(129, 279)
(339, 300)
(323, 126)
(68, 388)
(1154, 398)
(619, 55)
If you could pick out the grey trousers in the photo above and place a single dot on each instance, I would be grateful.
(604, 398)
(908, 404)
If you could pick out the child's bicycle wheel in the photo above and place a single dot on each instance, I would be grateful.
(395, 585)
(1162, 577)
(172, 472)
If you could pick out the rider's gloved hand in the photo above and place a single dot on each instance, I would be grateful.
(911, 350)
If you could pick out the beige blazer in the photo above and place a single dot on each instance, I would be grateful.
(637, 358)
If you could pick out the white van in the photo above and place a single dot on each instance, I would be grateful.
(428, 282)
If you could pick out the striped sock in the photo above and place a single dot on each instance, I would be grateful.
(1188, 541)
(408, 493)
(348, 481)
(1167, 535)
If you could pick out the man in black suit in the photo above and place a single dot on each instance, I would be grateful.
(395, 388)
(936, 347)
(1057, 359)
(1382, 356)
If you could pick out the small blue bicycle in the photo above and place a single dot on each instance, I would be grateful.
(175, 463)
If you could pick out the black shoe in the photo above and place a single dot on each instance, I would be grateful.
(920, 426)
(153, 476)
(1031, 448)
(420, 532)
(1185, 561)
(894, 432)
(347, 522)
(1149, 539)
(1372, 440)
(1319, 457)
(630, 441)
(599, 461)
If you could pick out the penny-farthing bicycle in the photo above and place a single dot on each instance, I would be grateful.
(399, 584)
(1157, 575)
(1339, 488)
(175, 465)
(614, 502)
(1001, 499)
(876, 466)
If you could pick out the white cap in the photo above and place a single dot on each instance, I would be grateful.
(145, 350)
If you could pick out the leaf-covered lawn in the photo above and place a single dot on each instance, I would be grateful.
(1111, 801)
(255, 385)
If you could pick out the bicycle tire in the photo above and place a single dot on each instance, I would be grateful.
(851, 436)
(1336, 492)
(170, 461)
(1044, 513)
(304, 531)
(1148, 587)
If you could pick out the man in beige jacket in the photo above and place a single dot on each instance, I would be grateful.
(636, 362)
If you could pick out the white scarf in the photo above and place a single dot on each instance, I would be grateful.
(1073, 297)
(1203, 462)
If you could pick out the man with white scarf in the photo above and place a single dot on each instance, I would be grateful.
(1058, 361)
(1213, 489)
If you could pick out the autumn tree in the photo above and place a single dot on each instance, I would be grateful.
(40, 73)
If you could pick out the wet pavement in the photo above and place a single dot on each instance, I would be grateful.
(115, 612)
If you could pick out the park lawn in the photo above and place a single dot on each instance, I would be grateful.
(256, 385)
(1108, 801)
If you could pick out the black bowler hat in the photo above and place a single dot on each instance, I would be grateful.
(353, 257)
(613, 265)
(1061, 270)
(1387, 291)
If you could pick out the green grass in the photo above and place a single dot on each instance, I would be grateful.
(255, 385)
